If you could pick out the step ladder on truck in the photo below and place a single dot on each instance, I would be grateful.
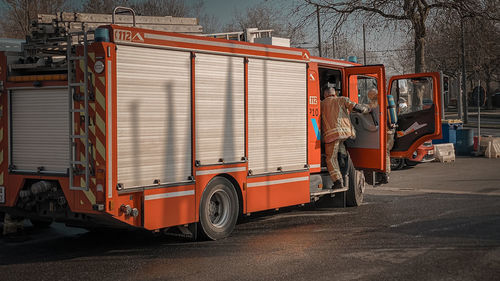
(74, 98)
(184, 133)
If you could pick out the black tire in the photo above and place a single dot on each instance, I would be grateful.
(218, 209)
(410, 163)
(397, 163)
(41, 223)
(355, 193)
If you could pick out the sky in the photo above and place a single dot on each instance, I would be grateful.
(224, 9)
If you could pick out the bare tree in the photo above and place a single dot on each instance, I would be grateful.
(16, 19)
(265, 16)
(101, 6)
(174, 8)
(210, 23)
(414, 12)
(481, 46)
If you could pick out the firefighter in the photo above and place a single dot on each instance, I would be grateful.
(373, 98)
(337, 128)
(381, 177)
(403, 106)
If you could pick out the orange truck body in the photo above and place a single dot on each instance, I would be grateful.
(163, 203)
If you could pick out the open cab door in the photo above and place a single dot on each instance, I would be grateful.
(418, 99)
(368, 149)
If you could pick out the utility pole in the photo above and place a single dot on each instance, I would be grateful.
(458, 87)
(464, 83)
(364, 45)
(478, 115)
(333, 45)
(319, 30)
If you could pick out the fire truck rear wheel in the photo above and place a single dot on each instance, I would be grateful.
(218, 209)
(355, 194)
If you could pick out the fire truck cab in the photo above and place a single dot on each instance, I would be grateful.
(161, 130)
(418, 120)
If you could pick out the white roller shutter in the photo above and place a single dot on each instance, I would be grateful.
(276, 116)
(220, 108)
(153, 116)
(39, 129)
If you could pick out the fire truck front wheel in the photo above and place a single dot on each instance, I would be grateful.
(355, 193)
(218, 209)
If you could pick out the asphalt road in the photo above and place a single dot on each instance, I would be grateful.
(435, 221)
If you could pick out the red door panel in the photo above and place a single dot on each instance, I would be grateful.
(368, 149)
(418, 98)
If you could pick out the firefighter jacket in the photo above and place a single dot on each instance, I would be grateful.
(336, 123)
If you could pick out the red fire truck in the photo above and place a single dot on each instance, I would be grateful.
(160, 130)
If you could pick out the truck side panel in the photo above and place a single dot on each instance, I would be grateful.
(277, 117)
(314, 119)
(153, 116)
(219, 109)
(40, 133)
(169, 206)
(275, 191)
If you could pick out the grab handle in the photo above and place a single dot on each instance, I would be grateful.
(120, 10)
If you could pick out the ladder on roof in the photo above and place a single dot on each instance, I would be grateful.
(248, 35)
(72, 61)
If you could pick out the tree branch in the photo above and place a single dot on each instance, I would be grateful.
(345, 8)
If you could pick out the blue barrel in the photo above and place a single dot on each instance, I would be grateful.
(465, 141)
(449, 131)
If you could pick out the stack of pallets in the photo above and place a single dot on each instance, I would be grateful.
(74, 21)
(48, 31)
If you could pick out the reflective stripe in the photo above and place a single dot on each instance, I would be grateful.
(218, 171)
(169, 195)
(263, 183)
(332, 62)
(316, 128)
(110, 133)
(201, 51)
(315, 166)
(220, 44)
(88, 193)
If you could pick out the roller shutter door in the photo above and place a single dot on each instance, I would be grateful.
(153, 116)
(220, 108)
(276, 116)
(39, 129)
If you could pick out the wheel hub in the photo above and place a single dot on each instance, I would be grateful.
(218, 208)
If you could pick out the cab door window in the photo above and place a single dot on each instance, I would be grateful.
(416, 110)
(365, 125)
(367, 84)
(413, 94)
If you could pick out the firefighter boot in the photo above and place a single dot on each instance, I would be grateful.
(382, 178)
(337, 184)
